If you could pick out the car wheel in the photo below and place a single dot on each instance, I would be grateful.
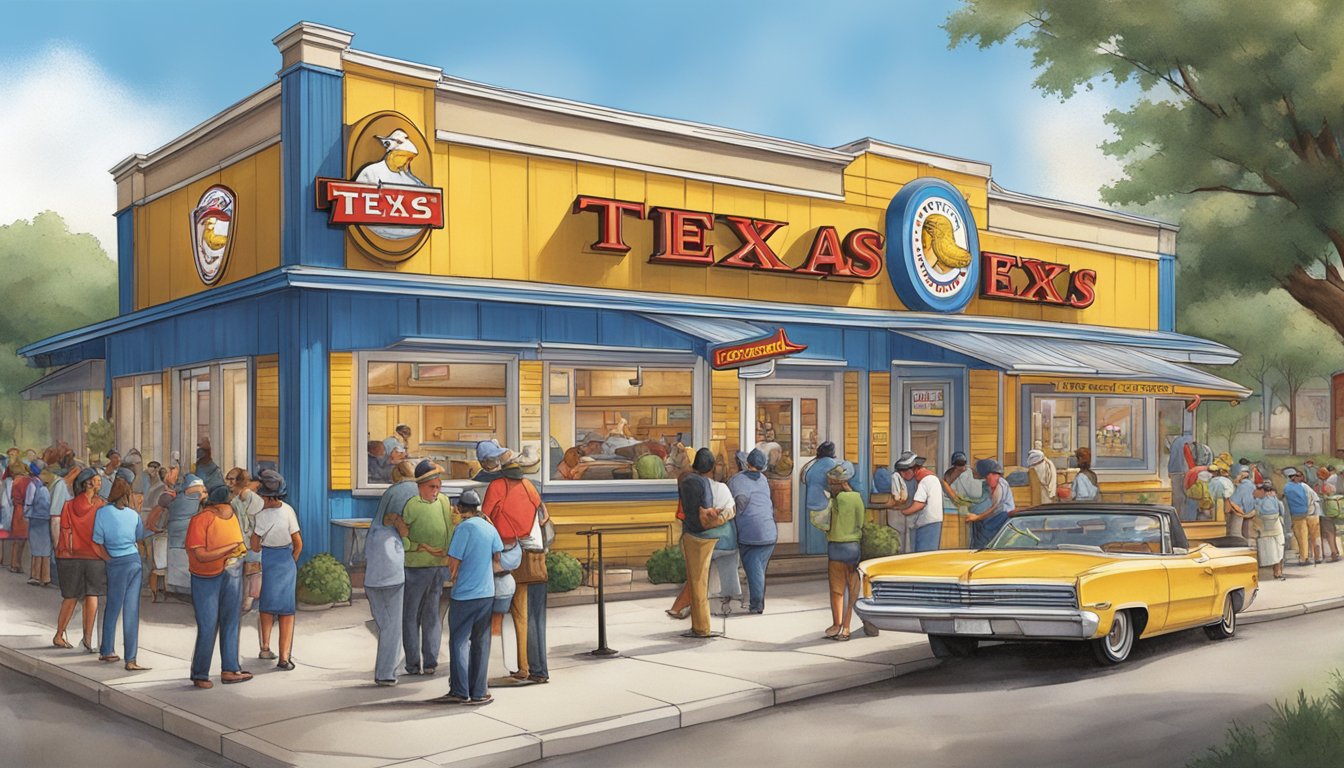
(1116, 645)
(952, 647)
(1227, 626)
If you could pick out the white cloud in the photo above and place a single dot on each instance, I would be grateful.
(1062, 144)
(65, 122)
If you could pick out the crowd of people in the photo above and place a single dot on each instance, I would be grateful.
(230, 542)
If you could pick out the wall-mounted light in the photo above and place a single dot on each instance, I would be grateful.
(638, 381)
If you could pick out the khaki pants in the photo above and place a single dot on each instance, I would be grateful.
(1307, 536)
(518, 611)
(698, 552)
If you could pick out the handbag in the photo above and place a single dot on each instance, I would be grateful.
(511, 558)
(532, 569)
(820, 518)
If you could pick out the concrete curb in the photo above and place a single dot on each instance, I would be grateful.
(251, 751)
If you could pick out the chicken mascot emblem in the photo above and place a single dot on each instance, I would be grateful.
(395, 168)
(212, 228)
(933, 249)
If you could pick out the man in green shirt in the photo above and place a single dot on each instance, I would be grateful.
(427, 526)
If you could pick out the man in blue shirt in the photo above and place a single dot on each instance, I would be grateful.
(1296, 498)
(814, 478)
(473, 558)
(756, 529)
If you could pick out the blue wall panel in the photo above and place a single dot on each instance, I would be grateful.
(569, 326)
(822, 342)
(626, 329)
(510, 322)
(304, 397)
(446, 319)
(126, 260)
(240, 329)
(906, 348)
(311, 146)
(1166, 293)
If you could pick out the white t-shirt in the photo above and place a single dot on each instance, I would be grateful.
(929, 491)
(276, 525)
(723, 498)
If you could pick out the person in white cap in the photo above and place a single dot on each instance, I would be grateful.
(1044, 477)
(925, 507)
(491, 456)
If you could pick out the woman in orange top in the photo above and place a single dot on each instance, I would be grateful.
(214, 556)
(83, 574)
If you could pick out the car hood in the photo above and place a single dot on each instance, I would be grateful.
(966, 565)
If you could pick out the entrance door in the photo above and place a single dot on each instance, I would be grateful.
(790, 424)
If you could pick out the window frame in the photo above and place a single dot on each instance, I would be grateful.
(135, 423)
(214, 370)
(700, 395)
(1103, 465)
(359, 458)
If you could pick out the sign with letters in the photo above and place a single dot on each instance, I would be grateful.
(754, 351)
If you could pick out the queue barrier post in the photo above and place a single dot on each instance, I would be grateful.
(602, 649)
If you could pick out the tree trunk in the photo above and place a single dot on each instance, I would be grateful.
(1323, 297)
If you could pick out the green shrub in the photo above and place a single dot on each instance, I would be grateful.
(100, 436)
(322, 580)
(667, 566)
(1304, 734)
(563, 572)
(879, 541)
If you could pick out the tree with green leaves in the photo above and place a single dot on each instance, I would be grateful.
(1238, 120)
(53, 280)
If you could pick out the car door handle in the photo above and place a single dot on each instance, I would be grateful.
(1208, 571)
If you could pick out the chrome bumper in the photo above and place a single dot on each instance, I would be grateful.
(982, 621)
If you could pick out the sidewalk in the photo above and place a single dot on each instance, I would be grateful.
(329, 712)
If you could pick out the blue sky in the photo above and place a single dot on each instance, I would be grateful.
(132, 75)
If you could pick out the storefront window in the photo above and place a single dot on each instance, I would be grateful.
(139, 416)
(1115, 429)
(619, 423)
(213, 410)
(448, 407)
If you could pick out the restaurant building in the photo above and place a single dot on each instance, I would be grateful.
(367, 242)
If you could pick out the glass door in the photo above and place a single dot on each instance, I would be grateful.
(790, 424)
(926, 418)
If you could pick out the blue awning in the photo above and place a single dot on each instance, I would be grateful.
(712, 330)
(1019, 354)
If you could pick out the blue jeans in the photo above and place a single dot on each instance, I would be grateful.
(536, 629)
(218, 601)
(123, 593)
(469, 647)
(385, 603)
(421, 622)
(755, 557)
(928, 537)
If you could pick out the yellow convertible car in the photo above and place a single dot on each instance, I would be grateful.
(1105, 574)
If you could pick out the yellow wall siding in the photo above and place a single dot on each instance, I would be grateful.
(165, 267)
(853, 406)
(341, 424)
(879, 393)
(726, 420)
(266, 408)
(617, 548)
(531, 388)
(508, 216)
(984, 394)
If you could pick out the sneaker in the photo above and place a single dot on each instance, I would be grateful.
(539, 679)
(429, 670)
(266, 654)
(483, 700)
(391, 682)
(203, 684)
(229, 678)
(450, 698)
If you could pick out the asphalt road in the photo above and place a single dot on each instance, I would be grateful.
(45, 727)
(1024, 705)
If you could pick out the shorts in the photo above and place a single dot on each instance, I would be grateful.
(81, 578)
(847, 552)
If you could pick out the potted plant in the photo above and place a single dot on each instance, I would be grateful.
(322, 581)
(563, 572)
(666, 566)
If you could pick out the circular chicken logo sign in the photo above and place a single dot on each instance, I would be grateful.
(934, 251)
(387, 205)
(212, 232)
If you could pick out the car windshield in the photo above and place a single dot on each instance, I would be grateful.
(1082, 531)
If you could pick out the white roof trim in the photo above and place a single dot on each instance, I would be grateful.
(997, 192)
(395, 66)
(216, 168)
(1088, 245)
(683, 128)
(910, 154)
(560, 154)
(219, 122)
(333, 36)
